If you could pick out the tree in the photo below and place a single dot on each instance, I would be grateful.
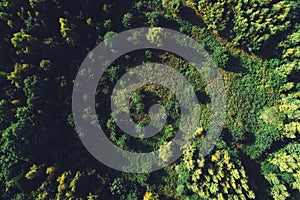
(219, 177)
(281, 170)
(153, 36)
(67, 32)
(25, 44)
(127, 20)
(247, 24)
(172, 6)
(166, 153)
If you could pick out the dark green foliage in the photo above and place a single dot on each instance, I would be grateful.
(219, 53)
(42, 45)
(153, 18)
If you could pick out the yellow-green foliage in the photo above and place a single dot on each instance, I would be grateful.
(43, 43)
(50, 170)
(171, 6)
(150, 196)
(249, 23)
(92, 196)
(286, 161)
(32, 173)
(67, 185)
(67, 32)
(23, 42)
(153, 36)
(20, 71)
(61, 182)
(291, 108)
(216, 176)
(286, 114)
(61, 186)
(166, 152)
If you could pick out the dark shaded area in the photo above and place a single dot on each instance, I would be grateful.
(189, 15)
(234, 65)
(202, 97)
(256, 179)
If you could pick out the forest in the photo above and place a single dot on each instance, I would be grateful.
(255, 45)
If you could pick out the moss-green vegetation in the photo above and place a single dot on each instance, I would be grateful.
(256, 46)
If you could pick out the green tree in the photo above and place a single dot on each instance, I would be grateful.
(281, 170)
(218, 177)
(127, 20)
